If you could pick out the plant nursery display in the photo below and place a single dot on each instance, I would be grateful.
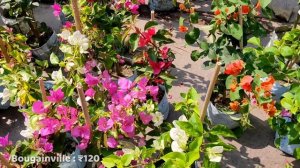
(96, 93)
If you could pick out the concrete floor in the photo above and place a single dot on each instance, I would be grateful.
(254, 149)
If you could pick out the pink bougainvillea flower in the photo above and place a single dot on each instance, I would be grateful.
(91, 80)
(6, 155)
(119, 153)
(146, 118)
(4, 141)
(89, 65)
(112, 142)
(105, 124)
(49, 126)
(68, 25)
(39, 108)
(56, 96)
(285, 113)
(141, 142)
(134, 9)
(142, 83)
(120, 59)
(56, 9)
(83, 144)
(164, 52)
(81, 131)
(90, 93)
(146, 37)
(46, 146)
(153, 91)
(142, 1)
(62, 110)
(125, 84)
(128, 125)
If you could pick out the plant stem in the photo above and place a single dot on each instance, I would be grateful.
(84, 107)
(241, 24)
(4, 50)
(76, 15)
(296, 22)
(43, 90)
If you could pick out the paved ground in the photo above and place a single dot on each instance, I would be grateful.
(254, 149)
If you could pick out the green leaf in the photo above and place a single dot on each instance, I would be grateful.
(265, 3)
(255, 41)
(230, 80)
(188, 128)
(235, 95)
(195, 144)
(150, 24)
(174, 155)
(196, 122)
(152, 54)
(195, 55)
(287, 103)
(126, 159)
(297, 153)
(222, 130)
(235, 30)
(54, 59)
(181, 20)
(161, 37)
(134, 41)
(204, 45)
(194, 17)
(286, 51)
(192, 36)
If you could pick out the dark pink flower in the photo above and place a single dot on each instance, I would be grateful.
(39, 108)
(91, 80)
(142, 1)
(153, 91)
(49, 126)
(46, 146)
(164, 52)
(134, 9)
(125, 84)
(56, 96)
(90, 93)
(111, 142)
(105, 124)
(68, 25)
(81, 131)
(146, 37)
(4, 141)
(57, 9)
(156, 66)
(141, 142)
(128, 125)
(146, 118)
(119, 153)
(6, 155)
(143, 83)
(83, 144)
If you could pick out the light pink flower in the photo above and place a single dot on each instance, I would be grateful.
(146, 118)
(91, 80)
(39, 108)
(56, 96)
(49, 126)
(90, 93)
(111, 142)
(285, 113)
(125, 84)
(4, 141)
(89, 65)
(6, 155)
(142, 1)
(57, 9)
(104, 124)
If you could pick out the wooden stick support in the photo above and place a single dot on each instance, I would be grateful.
(152, 15)
(76, 12)
(241, 24)
(4, 162)
(4, 51)
(84, 106)
(210, 90)
(43, 90)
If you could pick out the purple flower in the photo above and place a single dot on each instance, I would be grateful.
(146, 118)
(39, 108)
(4, 141)
(49, 126)
(90, 93)
(128, 125)
(91, 80)
(111, 142)
(57, 9)
(285, 113)
(104, 124)
(56, 96)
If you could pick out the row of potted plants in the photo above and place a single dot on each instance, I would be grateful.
(104, 96)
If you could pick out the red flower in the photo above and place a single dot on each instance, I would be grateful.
(234, 68)
(156, 66)
(270, 108)
(268, 84)
(258, 6)
(246, 83)
(235, 16)
(235, 106)
(217, 12)
(146, 37)
(183, 29)
(245, 9)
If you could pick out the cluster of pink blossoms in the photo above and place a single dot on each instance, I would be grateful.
(128, 5)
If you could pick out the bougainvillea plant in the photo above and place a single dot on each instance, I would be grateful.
(154, 58)
(126, 134)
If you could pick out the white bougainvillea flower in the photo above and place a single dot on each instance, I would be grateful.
(215, 153)
(28, 132)
(57, 76)
(78, 39)
(157, 119)
(1, 71)
(177, 147)
(5, 95)
(65, 34)
(178, 135)
(181, 118)
(158, 144)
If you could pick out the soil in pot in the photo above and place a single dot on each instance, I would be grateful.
(44, 32)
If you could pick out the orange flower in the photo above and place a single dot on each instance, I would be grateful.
(234, 68)
(183, 29)
(268, 84)
(245, 9)
(235, 106)
(182, 7)
(217, 12)
(267, 94)
(258, 89)
(270, 108)
(219, 21)
(235, 16)
(226, 10)
(258, 6)
(246, 83)
(245, 101)
(233, 87)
